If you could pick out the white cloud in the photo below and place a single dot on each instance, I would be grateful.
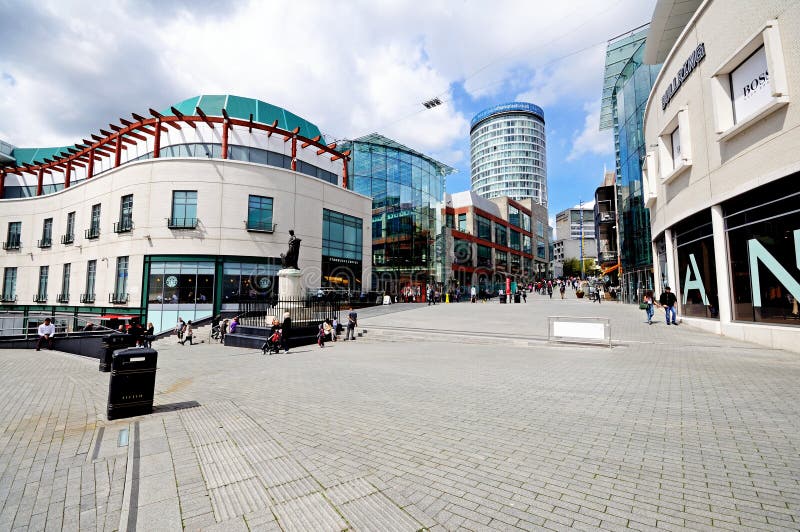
(350, 67)
(591, 140)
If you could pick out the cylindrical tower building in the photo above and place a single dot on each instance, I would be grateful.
(507, 149)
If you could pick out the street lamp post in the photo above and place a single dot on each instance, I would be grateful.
(581, 215)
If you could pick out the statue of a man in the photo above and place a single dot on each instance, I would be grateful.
(289, 259)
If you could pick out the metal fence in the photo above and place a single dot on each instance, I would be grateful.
(302, 312)
(15, 324)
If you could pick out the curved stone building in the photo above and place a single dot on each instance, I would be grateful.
(182, 213)
(722, 172)
(507, 152)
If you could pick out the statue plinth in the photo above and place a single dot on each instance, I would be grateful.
(290, 285)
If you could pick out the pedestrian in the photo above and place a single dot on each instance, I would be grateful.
(428, 296)
(562, 289)
(188, 331)
(337, 328)
(180, 328)
(352, 323)
(46, 332)
(550, 289)
(667, 301)
(473, 294)
(321, 335)
(649, 308)
(223, 330)
(599, 294)
(286, 330)
(233, 325)
(524, 297)
(149, 335)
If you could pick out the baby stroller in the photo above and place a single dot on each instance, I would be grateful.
(273, 344)
(215, 332)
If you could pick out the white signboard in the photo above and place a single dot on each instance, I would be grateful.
(750, 86)
(590, 331)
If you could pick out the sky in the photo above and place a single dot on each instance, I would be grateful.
(69, 68)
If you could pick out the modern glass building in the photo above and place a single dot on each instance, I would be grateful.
(406, 188)
(507, 150)
(626, 88)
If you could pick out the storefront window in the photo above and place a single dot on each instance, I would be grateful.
(764, 245)
(696, 266)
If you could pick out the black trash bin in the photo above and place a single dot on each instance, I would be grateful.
(503, 298)
(517, 297)
(132, 382)
(111, 343)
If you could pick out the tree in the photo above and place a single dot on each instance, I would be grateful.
(572, 266)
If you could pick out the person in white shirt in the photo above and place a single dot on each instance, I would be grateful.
(46, 332)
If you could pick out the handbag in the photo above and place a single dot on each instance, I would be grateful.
(643, 306)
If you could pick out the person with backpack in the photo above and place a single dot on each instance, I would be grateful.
(180, 328)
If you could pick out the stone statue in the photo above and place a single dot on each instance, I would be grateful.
(289, 259)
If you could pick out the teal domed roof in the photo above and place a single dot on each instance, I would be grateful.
(240, 107)
(212, 105)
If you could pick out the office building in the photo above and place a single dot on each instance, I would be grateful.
(487, 241)
(605, 224)
(575, 236)
(722, 172)
(507, 152)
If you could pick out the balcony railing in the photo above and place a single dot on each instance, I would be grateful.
(182, 223)
(87, 298)
(63, 298)
(9, 298)
(68, 238)
(259, 227)
(11, 244)
(40, 298)
(117, 298)
(123, 226)
(44, 243)
(606, 217)
(92, 233)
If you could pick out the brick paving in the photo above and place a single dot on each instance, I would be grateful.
(434, 419)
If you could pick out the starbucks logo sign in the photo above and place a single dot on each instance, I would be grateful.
(264, 283)
(171, 281)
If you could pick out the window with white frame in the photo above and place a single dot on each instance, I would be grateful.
(751, 83)
(675, 154)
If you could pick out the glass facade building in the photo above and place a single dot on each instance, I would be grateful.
(406, 188)
(628, 82)
(507, 152)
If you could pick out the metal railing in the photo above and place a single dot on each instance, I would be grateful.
(301, 311)
(92, 232)
(606, 216)
(67, 325)
(123, 226)
(260, 227)
(67, 239)
(87, 298)
(39, 298)
(182, 223)
(117, 298)
(63, 298)
(9, 298)
(44, 243)
(14, 243)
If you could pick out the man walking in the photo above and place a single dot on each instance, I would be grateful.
(352, 323)
(46, 332)
(667, 302)
(189, 330)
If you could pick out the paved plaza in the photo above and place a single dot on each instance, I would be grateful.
(447, 417)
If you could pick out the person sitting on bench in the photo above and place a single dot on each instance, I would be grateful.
(46, 332)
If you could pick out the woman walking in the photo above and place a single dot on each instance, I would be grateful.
(188, 333)
(649, 308)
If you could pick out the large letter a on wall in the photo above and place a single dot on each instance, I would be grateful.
(696, 283)
(759, 252)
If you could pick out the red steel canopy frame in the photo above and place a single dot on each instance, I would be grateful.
(113, 142)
